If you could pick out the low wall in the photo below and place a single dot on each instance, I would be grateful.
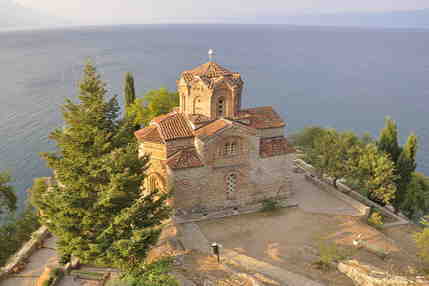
(362, 208)
(26, 251)
(355, 195)
(349, 195)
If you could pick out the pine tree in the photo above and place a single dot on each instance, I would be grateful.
(129, 90)
(97, 208)
(388, 141)
(405, 167)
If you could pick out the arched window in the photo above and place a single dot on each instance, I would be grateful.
(231, 183)
(221, 106)
(198, 106)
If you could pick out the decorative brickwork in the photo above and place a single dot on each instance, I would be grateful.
(213, 154)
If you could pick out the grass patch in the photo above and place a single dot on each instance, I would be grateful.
(270, 205)
(330, 254)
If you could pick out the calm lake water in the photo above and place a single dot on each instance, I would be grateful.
(337, 77)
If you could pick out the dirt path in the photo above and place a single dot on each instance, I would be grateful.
(35, 266)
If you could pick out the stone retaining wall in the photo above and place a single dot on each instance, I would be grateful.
(363, 209)
(25, 252)
(349, 195)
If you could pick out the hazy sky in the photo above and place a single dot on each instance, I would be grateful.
(146, 11)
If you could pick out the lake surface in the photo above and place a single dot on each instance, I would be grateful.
(336, 77)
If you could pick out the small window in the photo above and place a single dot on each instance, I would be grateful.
(221, 107)
(231, 183)
(230, 148)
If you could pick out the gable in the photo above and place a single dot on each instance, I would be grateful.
(223, 127)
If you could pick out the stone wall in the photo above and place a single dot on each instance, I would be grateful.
(363, 209)
(204, 189)
(350, 195)
(271, 132)
(25, 252)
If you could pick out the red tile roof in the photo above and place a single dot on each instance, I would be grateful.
(211, 74)
(173, 126)
(211, 128)
(210, 69)
(187, 158)
(149, 134)
(270, 147)
(261, 118)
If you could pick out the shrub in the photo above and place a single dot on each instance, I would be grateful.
(329, 253)
(64, 259)
(376, 220)
(269, 205)
(154, 274)
(422, 243)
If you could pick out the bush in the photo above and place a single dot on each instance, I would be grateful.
(64, 259)
(376, 220)
(154, 274)
(55, 274)
(269, 205)
(16, 232)
(422, 244)
(329, 253)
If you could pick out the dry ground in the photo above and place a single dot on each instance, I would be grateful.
(290, 239)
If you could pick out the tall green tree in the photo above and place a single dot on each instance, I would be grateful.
(375, 172)
(333, 151)
(405, 167)
(416, 198)
(97, 208)
(388, 141)
(7, 196)
(154, 103)
(129, 90)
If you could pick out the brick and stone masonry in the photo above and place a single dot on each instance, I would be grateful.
(213, 154)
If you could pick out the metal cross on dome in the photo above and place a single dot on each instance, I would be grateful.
(211, 54)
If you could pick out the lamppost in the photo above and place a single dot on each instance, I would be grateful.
(216, 250)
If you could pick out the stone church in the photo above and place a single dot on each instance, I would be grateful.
(213, 154)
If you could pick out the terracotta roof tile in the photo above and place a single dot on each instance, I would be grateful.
(209, 69)
(261, 118)
(149, 134)
(210, 74)
(270, 147)
(187, 158)
(173, 126)
(211, 128)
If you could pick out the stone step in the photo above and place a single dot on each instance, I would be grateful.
(253, 265)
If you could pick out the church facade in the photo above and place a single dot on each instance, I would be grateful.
(213, 154)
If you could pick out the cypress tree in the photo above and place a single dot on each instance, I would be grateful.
(129, 90)
(388, 141)
(405, 167)
(97, 208)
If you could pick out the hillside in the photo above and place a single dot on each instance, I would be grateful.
(13, 15)
(410, 19)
